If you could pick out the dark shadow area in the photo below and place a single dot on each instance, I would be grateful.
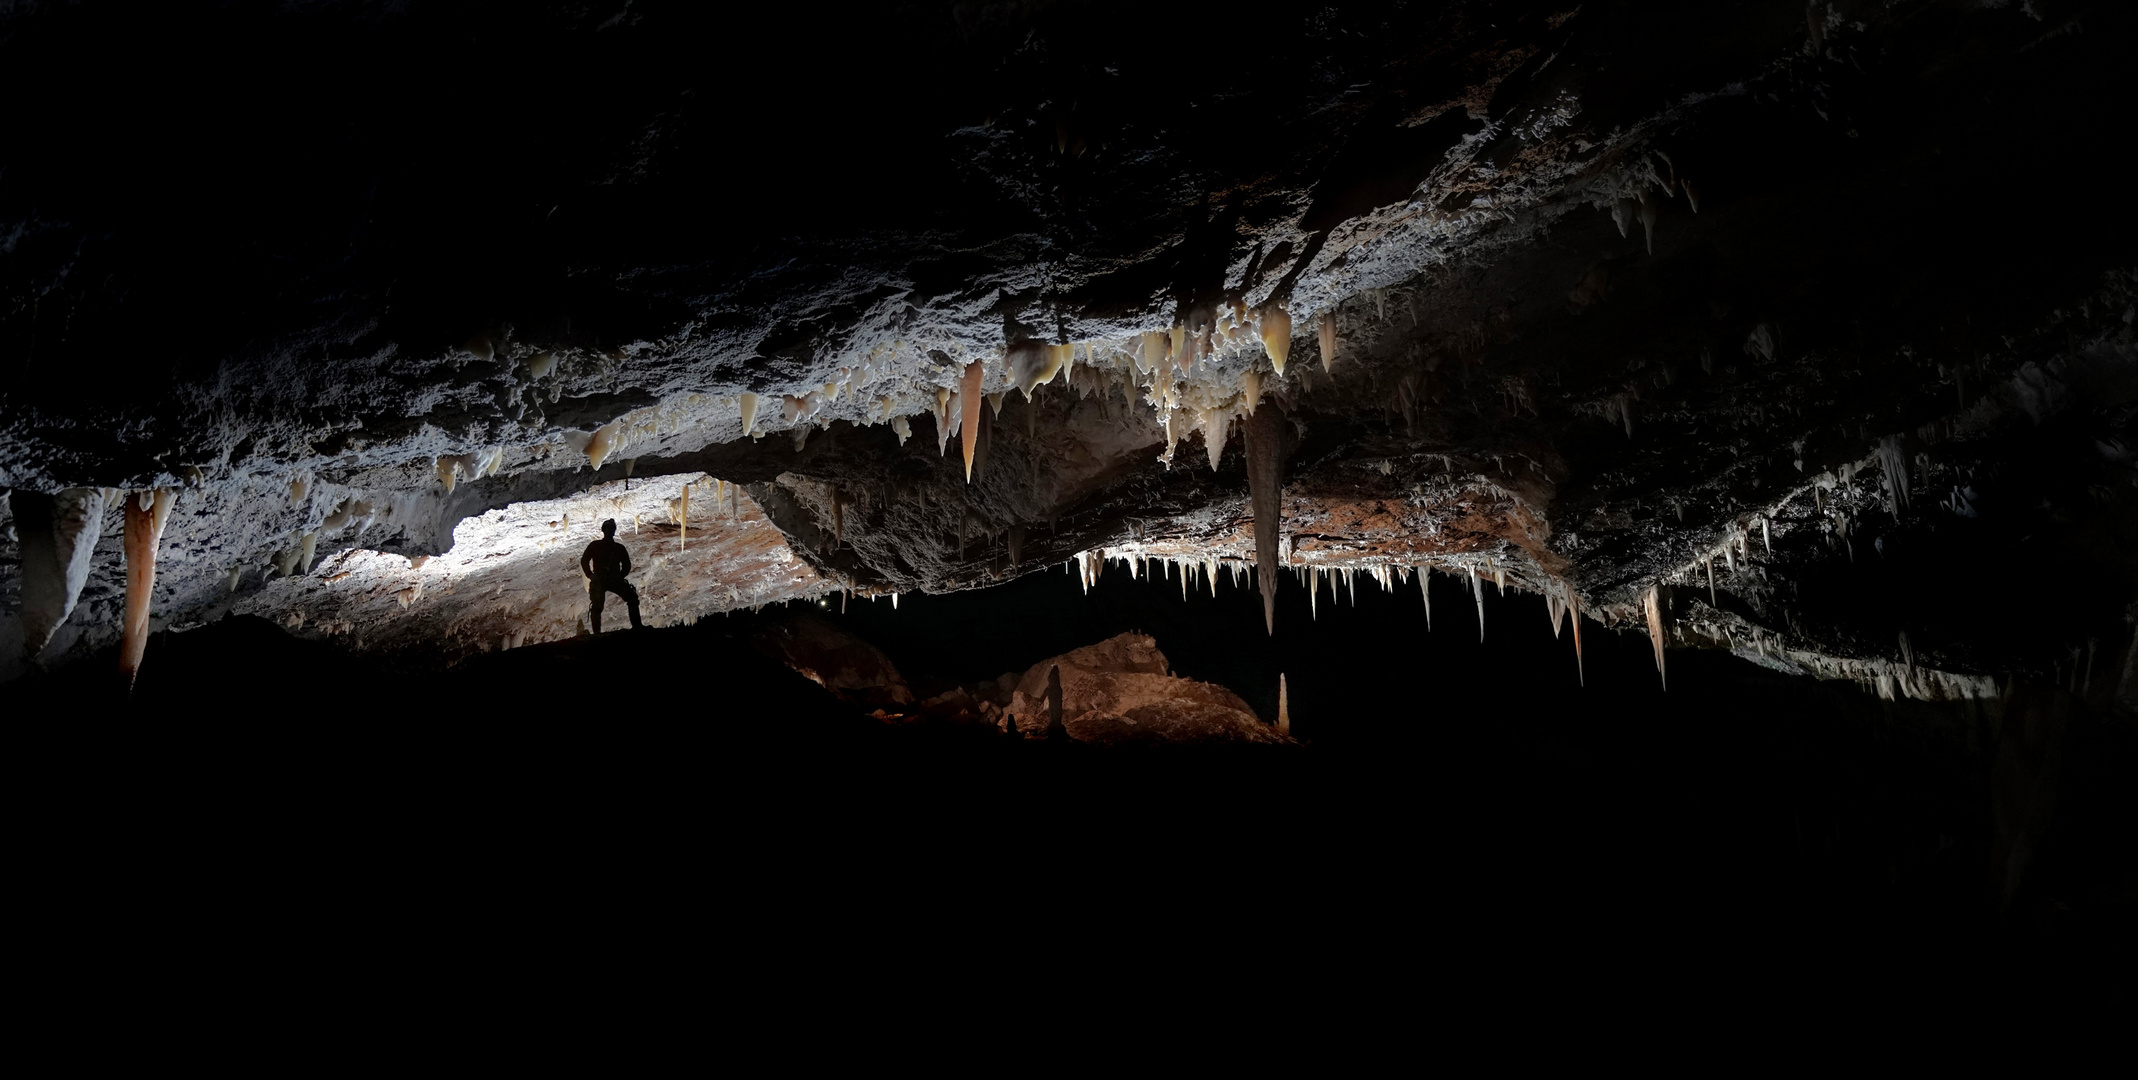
(1471, 786)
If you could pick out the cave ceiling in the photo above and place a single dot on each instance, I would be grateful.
(1803, 331)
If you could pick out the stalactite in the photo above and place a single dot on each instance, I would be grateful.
(748, 401)
(1711, 582)
(145, 514)
(1425, 590)
(1251, 389)
(1214, 424)
(1263, 434)
(1573, 618)
(942, 420)
(1328, 340)
(1275, 325)
(1653, 604)
(1478, 590)
(607, 439)
(1284, 706)
(969, 402)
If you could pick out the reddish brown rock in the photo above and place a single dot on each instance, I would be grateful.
(1121, 691)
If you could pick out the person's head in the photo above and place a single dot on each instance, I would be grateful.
(608, 529)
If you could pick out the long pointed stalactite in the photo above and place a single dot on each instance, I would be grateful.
(1264, 435)
(146, 512)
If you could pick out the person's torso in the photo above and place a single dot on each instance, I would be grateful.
(607, 557)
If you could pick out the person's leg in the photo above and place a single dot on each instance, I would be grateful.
(594, 598)
(630, 594)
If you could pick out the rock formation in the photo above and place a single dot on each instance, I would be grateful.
(1765, 342)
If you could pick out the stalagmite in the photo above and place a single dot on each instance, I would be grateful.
(57, 535)
(1284, 706)
(1264, 435)
(1276, 326)
(969, 402)
(1328, 339)
(749, 413)
(145, 514)
(1653, 604)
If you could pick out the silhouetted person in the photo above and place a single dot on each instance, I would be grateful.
(605, 562)
(1056, 730)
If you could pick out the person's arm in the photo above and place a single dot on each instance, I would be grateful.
(586, 562)
(626, 553)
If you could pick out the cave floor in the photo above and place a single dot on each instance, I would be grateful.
(1743, 806)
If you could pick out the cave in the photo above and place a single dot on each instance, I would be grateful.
(992, 397)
